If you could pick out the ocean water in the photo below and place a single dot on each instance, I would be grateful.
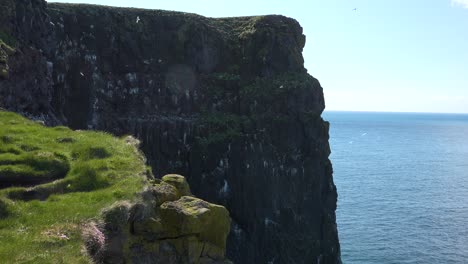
(402, 182)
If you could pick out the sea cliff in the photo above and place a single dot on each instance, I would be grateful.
(226, 102)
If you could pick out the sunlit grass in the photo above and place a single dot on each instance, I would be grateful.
(55, 180)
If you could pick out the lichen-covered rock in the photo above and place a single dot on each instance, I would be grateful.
(225, 101)
(179, 182)
(164, 192)
(164, 228)
(191, 215)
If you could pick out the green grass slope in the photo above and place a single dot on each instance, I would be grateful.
(53, 181)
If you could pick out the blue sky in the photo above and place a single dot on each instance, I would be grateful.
(398, 55)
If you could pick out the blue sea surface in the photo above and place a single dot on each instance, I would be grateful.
(402, 182)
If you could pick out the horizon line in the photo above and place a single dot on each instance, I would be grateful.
(397, 112)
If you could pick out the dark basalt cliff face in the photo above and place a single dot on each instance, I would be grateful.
(226, 102)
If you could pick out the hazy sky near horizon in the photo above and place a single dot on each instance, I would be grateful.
(399, 55)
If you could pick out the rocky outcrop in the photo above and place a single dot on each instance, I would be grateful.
(226, 102)
(169, 226)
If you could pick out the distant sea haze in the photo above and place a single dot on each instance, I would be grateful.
(402, 182)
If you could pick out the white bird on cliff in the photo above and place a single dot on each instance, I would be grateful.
(138, 19)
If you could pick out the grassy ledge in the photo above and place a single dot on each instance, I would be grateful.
(53, 181)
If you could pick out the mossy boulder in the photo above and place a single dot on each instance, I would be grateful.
(165, 226)
(116, 217)
(193, 216)
(164, 192)
(179, 182)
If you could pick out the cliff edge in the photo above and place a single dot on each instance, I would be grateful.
(226, 102)
(81, 196)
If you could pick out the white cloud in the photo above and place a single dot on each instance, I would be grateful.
(463, 3)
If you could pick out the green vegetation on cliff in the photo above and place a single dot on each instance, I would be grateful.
(7, 40)
(81, 197)
(7, 44)
(53, 181)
